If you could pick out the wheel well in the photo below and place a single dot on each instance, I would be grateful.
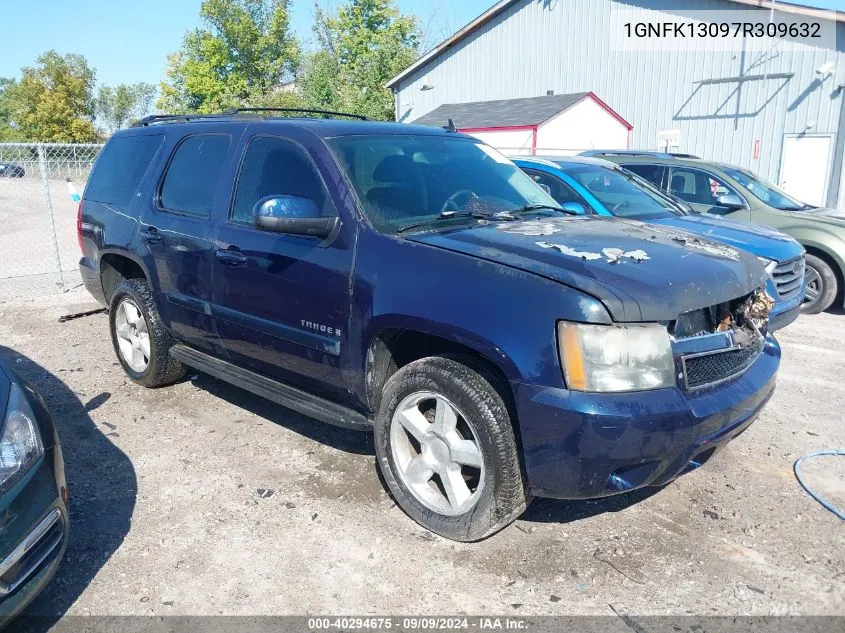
(840, 274)
(114, 269)
(393, 349)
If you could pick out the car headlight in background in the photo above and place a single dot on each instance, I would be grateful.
(20, 443)
(615, 357)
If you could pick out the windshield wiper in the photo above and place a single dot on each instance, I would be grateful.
(445, 215)
(537, 207)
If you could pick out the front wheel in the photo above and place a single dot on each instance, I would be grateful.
(821, 285)
(446, 448)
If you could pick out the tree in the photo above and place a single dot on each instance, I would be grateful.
(7, 126)
(244, 52)
(365, 43)
(53, 101)
(119, 106)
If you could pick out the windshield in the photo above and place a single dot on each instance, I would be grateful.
(621, 193)
(765, 191)
(403, 180)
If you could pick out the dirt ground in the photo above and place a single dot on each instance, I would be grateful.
(202, 499)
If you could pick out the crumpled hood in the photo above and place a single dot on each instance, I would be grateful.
(760, 240)
(641, 272)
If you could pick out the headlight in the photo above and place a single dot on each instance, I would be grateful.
(615, 357)
(20, 444)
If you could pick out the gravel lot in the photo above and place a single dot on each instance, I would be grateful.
(202, 499)
(28, 265)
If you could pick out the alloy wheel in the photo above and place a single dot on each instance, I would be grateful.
(133, 337)
(814, 286)
(437, 454)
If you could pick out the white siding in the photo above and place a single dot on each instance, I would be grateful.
(586, 125)
(564, 45)
(508, 141)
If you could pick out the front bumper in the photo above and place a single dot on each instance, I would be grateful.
(586, 445)
(33, 534)
(784, 312)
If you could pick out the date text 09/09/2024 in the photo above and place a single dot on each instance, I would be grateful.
(810, 30)
(417, 623)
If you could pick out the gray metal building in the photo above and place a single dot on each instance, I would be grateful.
(751, 108)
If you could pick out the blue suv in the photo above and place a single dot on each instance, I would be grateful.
(413, 281)
(603, 188)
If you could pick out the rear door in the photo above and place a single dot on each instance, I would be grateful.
(281, 302)
(176, 229)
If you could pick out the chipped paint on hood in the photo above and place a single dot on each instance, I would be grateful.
(611, 255)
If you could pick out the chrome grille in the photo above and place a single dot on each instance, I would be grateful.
(789, 277)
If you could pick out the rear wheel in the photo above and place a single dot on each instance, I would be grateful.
(446, 447)
(141, 342)
(821, 286)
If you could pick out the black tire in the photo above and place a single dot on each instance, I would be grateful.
(161, 369)
(503, 496)
(821, 284)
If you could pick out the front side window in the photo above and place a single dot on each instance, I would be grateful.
(619, 192)
(277, 167)
(765, 191)
(193, 174)
(406, 179)
(696, 186)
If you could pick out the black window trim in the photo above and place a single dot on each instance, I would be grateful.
(236, 181)
(709, 174)
(158, 207)
(588, 209)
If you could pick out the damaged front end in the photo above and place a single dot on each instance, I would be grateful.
(717, 343)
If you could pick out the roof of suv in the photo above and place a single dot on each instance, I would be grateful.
(323, 127)
(658, 158)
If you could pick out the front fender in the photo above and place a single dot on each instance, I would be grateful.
(507, 315)
(830, 241)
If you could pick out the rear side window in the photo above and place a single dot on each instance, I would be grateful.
(277, 167)
(653, 173)
(120, 168)
(193, 174)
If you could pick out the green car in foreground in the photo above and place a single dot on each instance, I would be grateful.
(739, 194)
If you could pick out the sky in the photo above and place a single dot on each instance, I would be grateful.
(130, 44)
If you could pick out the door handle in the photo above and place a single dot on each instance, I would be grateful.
(151, 234)
(230, 257)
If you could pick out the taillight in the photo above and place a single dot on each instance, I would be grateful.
(79, 226)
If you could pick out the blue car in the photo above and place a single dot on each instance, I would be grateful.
(413, 282)
(595, 186)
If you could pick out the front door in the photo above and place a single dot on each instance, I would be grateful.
(701, 190)
(804, 167)
(281, 302)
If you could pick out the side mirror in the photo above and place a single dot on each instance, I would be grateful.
(730, 201)
(293, 215)
(545, 187)
(574, 207)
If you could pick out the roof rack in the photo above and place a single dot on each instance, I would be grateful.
(325, 113)
(185, 118)
(628, 152)
(676, 155)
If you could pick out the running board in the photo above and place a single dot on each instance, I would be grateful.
(280, 393)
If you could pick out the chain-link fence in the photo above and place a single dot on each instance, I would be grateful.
(39, 251)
